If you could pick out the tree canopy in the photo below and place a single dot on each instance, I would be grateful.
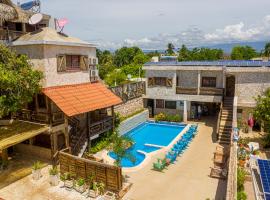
(243, 53)
(196, 54)
(262, 110)
(266, 51)
(170, 49)
(19, 82)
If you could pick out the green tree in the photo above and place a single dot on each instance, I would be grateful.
(262, 110)
(19, 82)
(170, 49)
(125, 55)
(116, 77)
(184, 54)
(105, 65)
(243, 53)
(267, 49)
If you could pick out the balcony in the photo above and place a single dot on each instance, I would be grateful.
(211, 91)
(101, 126)
(7, 35)
(184, 90)
(203, 91)
(42, 117)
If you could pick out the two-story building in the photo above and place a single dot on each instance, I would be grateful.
(180, 87)
(74, 105)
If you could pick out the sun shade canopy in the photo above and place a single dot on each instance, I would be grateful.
(82, 98)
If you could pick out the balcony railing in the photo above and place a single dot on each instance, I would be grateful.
(101, 126)
(182, 90)
(203, 91)
(42, 117)
(9, 34)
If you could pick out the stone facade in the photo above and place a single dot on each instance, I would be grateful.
(133, 122)
(44, 58)
(129, 107)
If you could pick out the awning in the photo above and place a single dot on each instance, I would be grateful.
(82, 98)
(18, 132)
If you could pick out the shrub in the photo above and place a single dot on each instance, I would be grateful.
(102, 144)
(266, 141)
(160, 117)
(241, 195)
(53, 171)
(241, 173)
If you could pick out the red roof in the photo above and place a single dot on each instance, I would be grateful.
(81, 98)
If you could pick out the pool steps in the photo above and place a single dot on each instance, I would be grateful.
(154, 145)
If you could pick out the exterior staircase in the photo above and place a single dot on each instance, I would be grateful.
(225, 124)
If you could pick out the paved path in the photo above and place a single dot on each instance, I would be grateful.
(187, 179)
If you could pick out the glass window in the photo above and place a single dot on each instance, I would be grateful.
(170, 104)
(159, 103)
(73, 61)
(209, 81)
(160, 81)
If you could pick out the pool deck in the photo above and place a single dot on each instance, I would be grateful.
(187, 179)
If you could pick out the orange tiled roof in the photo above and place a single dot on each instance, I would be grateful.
(81, 98)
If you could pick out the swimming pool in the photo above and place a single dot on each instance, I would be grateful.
(147, 134)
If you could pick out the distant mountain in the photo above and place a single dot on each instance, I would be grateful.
(227, 48)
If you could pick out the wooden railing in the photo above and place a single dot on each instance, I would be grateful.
(81, 141)
(211, 91)
(42, 117)
(101, 126)
(9, 34)
(202, 91)
(183, 90)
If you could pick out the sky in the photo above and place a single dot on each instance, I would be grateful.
(151, 24)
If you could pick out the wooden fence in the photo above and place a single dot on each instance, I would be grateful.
(110, 175)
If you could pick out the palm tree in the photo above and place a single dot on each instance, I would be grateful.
(170, 49)
(119, 146)
(267, 49)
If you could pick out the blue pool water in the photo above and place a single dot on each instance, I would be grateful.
(160, 134)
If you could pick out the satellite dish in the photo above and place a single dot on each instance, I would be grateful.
(35, 19)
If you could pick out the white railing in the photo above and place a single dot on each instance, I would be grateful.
(231, 193)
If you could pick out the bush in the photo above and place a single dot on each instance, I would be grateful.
(160, 117)
(241, 173)
(241, 195)
(37, 165)
(80, 182)
(169, 118)
(102, 144)
(266, 141)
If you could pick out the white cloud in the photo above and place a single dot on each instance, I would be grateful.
(194, 36)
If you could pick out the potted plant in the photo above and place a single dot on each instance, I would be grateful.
(54, 178)
(93, 191)
(80, 185)
(36, 170)
(101, 188)
(68, 181)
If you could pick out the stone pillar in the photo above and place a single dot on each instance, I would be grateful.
(199, 82)
(185, 112)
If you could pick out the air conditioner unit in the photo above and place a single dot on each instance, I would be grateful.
(95, 61)
(94, 73)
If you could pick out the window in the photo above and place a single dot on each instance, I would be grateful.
(73, 61)
(159, 103)
(41, 101)
(170, 104)
(209, 81)
(160, 81)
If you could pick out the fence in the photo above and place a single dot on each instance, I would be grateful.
(110, 175)
(130, 90)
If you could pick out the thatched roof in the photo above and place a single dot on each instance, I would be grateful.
(11, 12)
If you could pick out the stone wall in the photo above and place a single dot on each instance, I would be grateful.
(188, 79)
(129, 107)
(250, 85)
(133, 122)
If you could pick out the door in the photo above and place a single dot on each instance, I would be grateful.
(230, 86)
(150, 106)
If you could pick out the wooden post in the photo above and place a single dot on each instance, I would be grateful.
(66, 133)
(4, 155)
(113, 118)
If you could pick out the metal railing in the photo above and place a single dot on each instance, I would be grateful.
(200, 91)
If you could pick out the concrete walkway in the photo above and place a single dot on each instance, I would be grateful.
(187, 179)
